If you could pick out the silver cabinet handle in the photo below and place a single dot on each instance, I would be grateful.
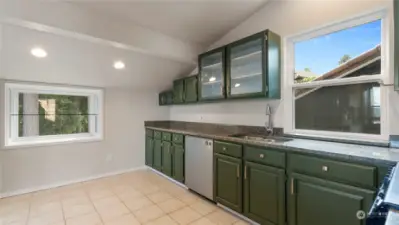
(261, 156)
(224, 149)
(324, 168)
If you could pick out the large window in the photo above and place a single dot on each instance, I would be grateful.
(47, 114)
(335, 75)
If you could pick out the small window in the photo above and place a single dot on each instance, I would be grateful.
(44, 114)
(336, 79)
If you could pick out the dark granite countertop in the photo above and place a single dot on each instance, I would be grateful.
(353, 152)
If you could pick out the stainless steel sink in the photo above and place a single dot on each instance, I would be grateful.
(269, 139)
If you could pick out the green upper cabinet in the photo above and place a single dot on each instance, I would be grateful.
(396, 43)
(264, 194)
(178, 91)
(191, 89)
(211, 76)
(253, 66)
(313, 201)
(228, 181)
(166, 98)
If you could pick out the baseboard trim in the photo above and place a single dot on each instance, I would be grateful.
(64, 183)
(237, 214)
(163, 175)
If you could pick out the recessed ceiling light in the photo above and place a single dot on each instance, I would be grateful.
(38, 52)
(212, 79)
(119, 65)
(237, 85)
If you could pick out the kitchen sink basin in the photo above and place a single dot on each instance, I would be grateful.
(269, 139)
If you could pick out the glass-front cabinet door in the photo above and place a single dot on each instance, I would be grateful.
(211, 83)
(245, 67)
(253, 66)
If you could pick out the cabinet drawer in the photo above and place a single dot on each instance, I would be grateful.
(157, 134)
(178, 138)
(264, 156)
(226, 148)
(149, 132)
(166, 136)
(330, 169)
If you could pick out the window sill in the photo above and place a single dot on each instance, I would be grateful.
(51, 141)
(338, 139)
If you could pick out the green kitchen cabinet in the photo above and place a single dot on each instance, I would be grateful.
(228, 181)
(149, 151)
(314, 201)
(166, 98)
(157, 158)
(191, 89)
(178, 162)
(396, 43)
(253, 66)
(178, 91)
(167, 158)
(264, 194)
(211, 76)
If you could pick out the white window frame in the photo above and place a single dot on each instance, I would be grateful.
(383, 78)
(12, 138)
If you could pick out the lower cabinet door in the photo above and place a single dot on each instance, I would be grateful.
(313, 201)
(178, 163)
(167, 158)
(264, 194)
(149, 151)
(157, 157)
(228, 181)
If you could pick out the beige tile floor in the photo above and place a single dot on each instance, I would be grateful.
(137, 198)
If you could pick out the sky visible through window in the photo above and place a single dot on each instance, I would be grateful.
(322, 54)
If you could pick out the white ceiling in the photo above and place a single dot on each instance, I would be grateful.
(179, 25)
(76, 62)
(200, 21)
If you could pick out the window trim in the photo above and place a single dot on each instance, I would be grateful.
(12, 90)
(383, 78)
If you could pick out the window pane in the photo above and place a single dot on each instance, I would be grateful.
(246, 68)
(349, 108)
(355, 51)
(212, 75)
(43, 114)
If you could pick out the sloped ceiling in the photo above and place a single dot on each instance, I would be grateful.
(202, 22)
(157, 41)
(76, 62)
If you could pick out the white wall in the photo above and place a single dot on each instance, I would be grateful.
(286, 18)
(125, 113)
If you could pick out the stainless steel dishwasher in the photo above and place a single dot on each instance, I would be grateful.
(199, 165)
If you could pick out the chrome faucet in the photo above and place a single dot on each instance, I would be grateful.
(269, 123)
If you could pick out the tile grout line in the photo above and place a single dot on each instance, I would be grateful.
(62, 209)
(95, 209)
(131, 212)
(27, 218)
